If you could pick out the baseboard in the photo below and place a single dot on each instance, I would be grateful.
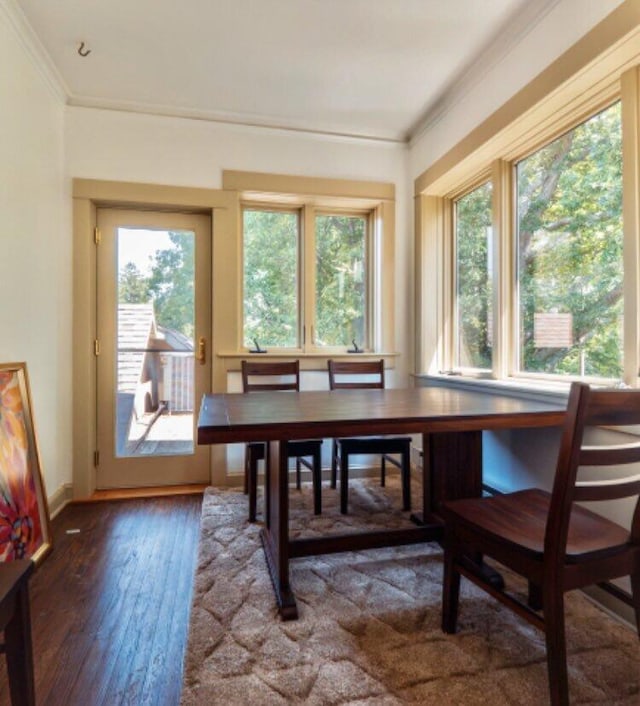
(59, 499)
(611, 605)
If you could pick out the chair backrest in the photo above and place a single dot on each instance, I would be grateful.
(356, 374)
(588, 407)
(263, 376)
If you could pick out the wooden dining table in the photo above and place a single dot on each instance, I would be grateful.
(450, 421)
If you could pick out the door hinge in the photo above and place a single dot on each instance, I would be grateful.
(97, 236)
(96, 458)
(96, 347)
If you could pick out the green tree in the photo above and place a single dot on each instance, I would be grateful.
(133, 286)
(341, 280)
(270, 278)
(570, 246)
(474, 282)
(171, 284)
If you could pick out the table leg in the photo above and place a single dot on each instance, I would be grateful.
(451, 468)
(275, 534)
(19, 653)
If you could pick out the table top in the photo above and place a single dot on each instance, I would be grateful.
(265, 416)
(12, 573)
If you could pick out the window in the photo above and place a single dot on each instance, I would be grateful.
(569, 252)
(295, 301)
(271, 260)
(554, 267)
(342, 280)
(473, 279)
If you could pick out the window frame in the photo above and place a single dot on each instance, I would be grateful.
(451, 360)
(377, 199)
(501, 172)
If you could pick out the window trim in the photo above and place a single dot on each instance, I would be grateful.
(311, 195)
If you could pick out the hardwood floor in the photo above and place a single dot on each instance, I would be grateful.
(110, 605)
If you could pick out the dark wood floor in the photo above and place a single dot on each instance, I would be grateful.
(110, 605)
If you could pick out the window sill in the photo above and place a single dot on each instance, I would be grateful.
(536, 391)
(308, 360)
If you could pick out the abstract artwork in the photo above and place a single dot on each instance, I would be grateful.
(24, 514)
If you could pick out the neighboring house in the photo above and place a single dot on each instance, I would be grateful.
(155, 368)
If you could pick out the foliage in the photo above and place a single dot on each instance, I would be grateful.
(570, 247)
(569, 254)
(341, 280)
(473, 278)
(169, 286)
(133, 287)
(272, 285)
(271, 278)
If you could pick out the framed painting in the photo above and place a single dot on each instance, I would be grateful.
(24, 514)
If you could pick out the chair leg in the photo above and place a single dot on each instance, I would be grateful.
(553, 600)
(450, 590)
(253, 488)
(635, 597)
(406, 480)
(344, 482)
(535, 596)
(317, 482)
(298, 474)
(383, 472)
(246, 471)
(334, 463)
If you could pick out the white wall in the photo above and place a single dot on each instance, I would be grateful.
(35, 266)
(565, 23)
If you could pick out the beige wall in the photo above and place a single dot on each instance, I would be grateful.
(35, 266)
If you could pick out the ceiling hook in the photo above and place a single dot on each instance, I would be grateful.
(82, 51)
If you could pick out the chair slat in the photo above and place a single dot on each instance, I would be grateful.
(610, 455)
(611, 489)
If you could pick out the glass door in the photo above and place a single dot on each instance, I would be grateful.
(153, 346)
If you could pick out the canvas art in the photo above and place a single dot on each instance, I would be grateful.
(24, 516)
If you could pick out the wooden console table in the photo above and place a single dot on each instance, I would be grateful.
(16, 623)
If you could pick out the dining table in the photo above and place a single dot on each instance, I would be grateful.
(450, 423)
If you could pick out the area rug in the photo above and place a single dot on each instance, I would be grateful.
(369, 627)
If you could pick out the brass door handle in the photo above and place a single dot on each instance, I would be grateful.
(202, 350)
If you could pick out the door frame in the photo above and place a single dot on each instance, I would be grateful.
(89, 195)
(128, 470)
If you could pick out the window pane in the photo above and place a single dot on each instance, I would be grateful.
(474, 286)
(570, 252)
(270, 278)
(341, 280)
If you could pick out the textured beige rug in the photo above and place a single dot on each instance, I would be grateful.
(369, 627)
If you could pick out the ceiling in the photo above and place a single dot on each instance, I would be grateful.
(367, 68)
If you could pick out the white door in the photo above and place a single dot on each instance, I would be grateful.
(153, 337)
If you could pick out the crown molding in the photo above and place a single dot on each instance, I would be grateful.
(495, 49)
(234, 119)
(28, 39)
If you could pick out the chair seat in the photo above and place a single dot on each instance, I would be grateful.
(520, 519)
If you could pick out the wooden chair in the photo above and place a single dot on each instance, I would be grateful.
(263, 376)
(357, 374)
(554, 543)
